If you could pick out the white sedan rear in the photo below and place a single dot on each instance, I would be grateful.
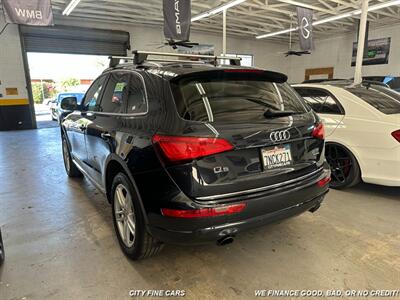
(362, 126)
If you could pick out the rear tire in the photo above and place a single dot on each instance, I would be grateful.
(345, 169)
(134, 240)
(70, 167)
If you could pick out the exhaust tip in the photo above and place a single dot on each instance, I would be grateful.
(225, 241)
(315, 208)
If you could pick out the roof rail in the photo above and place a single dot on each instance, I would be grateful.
(140, 57)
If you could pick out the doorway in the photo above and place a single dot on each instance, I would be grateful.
(55, 76)
(64, 59)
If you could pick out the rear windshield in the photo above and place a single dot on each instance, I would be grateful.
(383, 99)
(233, 98)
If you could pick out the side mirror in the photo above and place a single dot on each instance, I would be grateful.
(69, 103)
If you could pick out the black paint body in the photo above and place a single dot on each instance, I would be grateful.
(99, 140)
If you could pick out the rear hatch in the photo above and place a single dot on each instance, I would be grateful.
(255, 131)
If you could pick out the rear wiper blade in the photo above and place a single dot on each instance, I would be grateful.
(271, 113)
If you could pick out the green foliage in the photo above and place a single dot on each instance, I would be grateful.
(43, 90)
(69, 83)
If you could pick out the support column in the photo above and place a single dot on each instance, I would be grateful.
(361, 42)
(224, 32)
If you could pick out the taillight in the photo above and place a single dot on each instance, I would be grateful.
(319, 131)
(396, 135)
(180, 149)
(204, 212)
(324, 181)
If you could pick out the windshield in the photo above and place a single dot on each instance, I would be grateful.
(232, 99)
(383, 99)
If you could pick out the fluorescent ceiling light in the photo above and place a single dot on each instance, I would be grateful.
(70, 7)
(217, 10)
(296, 3)
(384, 5)
(276, 33)
(334, 18)
(338, 17)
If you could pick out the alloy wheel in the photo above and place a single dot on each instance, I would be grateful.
(341, 164)
(124, 215)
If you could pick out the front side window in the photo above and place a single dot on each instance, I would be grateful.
(229, 97)
(383, 99)
(92, 98)
(320, 101)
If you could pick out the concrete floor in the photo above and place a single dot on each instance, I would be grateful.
(60, 241)
(43, 116)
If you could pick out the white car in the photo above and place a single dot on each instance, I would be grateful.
(362, 125)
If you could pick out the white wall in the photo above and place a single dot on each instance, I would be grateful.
(12, 73)
(336, 52)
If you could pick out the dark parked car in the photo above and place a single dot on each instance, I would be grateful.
(189, 152)
(392, 81)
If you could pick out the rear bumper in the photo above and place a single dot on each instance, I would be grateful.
(214, 233)
(262, 209)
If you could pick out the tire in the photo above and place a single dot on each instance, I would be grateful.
(128, 218)
(2, 254)
(345, 169)
(70, 167)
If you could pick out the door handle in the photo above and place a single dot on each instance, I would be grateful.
(105, 135)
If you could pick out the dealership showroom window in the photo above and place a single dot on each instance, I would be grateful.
(217, 149)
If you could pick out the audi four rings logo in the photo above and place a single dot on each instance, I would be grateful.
(280, 136)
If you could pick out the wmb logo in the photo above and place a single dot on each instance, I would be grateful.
(29, 13)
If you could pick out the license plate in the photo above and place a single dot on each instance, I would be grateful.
(277, 157)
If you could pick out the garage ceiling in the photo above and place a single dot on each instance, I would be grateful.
(249, 19)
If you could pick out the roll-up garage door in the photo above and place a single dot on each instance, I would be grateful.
(75, 40)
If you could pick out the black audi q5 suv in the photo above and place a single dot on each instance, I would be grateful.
(190, 152)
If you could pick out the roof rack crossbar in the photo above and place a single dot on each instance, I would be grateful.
(141, 56)
(173, 60)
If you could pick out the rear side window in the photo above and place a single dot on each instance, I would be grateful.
(232, 97)
(384, 100)
(136, 94)
(320, 101)
(115, 95)
(125, 93)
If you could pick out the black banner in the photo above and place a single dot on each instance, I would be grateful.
(305, 20)
(28, 12)
(177, 18)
